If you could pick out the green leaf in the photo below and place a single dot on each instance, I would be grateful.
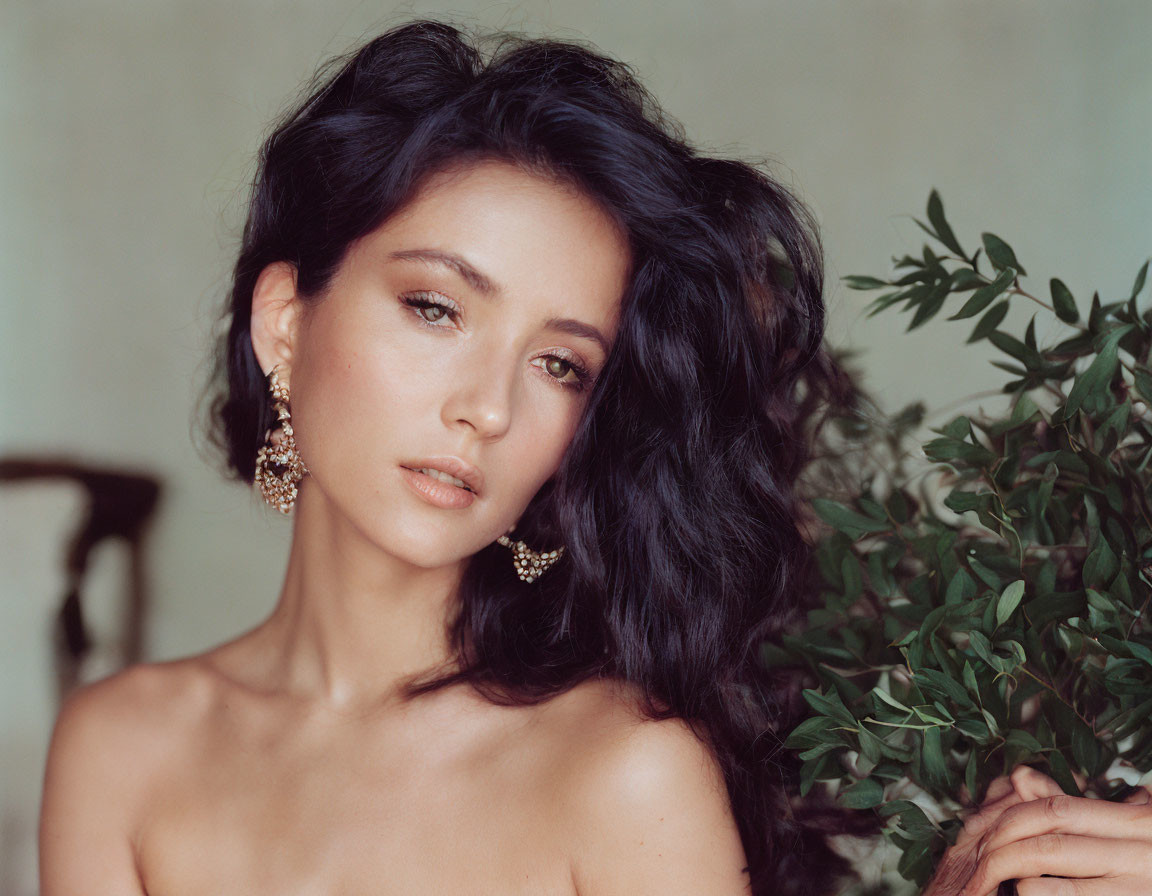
(932, 756)
(1059, 769)
(830, 705)
(1143, 381)
(812, 731)
(930, 305)
(820, 750)
(1024, 742)
(1023, 409)
(982, 646)
(879, 304)
(961, 501)
(934, 718)
(1139, 285)
(846, 520)
(989, 322)
(1085, 748)
(966, 278)
(1095, 313)
(975, 729)
(969, 676)
(872, 508)
(1017, 349)
(1140, 652)
(864, 794)
(853, 581)
(960, 588)
(946, 449)
(1000, 253)
(972, 775)
(871, 752)
(984, 296)
(885, 697)
(959, 427)
(943, 685)
(1008, 601)
(1098, 374)
(915, 863)
(943, 230)
(910, 817)
(1100, 566)
(857, 281)
(987, 576)
(1030, 333)
(1062, 302)
(1116, 423)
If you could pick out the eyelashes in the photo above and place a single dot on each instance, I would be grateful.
(418, 303)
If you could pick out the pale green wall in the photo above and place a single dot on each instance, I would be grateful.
(127, 131)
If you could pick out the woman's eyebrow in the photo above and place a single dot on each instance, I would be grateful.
(485, 286)
(577, 328)
(478, 281)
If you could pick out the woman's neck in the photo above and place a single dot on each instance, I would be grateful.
(353, 623)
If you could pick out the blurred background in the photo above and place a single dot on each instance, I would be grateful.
(128, 131)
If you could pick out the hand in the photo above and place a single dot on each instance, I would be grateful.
(1086, 847)
(961, 860)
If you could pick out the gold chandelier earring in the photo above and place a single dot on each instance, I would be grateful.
(278, 464)
(530, 564)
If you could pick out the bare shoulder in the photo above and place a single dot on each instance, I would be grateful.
(648, 804)
(114, 728)
(611, 740)
(108, 738)
(134, 708)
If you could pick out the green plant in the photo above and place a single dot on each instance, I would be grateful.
(997, 615)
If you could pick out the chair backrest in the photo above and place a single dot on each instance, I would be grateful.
(118, 504)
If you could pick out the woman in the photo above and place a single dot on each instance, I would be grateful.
(533, 377)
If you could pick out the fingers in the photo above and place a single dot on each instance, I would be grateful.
(999, 787)
(1065, 814)
(1027, 827)
(1030, 784)
(959, 861)
(989, 811)
(1064, 855)
(1062, 886)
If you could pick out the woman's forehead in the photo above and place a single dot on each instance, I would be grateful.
(516, 233)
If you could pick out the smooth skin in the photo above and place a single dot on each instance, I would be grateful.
(282, 762)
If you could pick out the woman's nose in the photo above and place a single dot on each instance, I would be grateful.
(482, 395)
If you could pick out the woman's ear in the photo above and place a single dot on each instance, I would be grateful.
(275, 316)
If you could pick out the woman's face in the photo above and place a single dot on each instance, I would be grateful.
(381, 378)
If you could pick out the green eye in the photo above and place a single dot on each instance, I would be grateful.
(557, 367)
(438, 310)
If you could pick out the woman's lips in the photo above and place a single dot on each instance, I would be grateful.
(437, 493)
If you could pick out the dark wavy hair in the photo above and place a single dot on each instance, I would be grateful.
(676, 499)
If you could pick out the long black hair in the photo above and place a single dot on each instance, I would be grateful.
(676, 498)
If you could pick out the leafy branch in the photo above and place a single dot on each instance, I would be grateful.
(1001, 617)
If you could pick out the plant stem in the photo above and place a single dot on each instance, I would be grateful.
(1059, 696)
(1020, 292)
